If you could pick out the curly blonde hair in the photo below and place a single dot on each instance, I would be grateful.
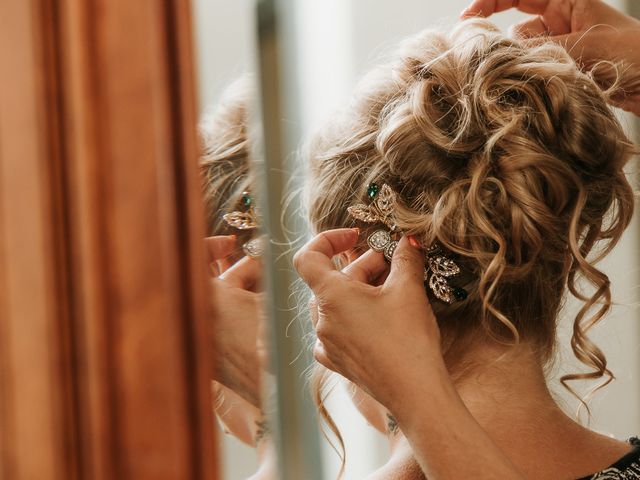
(506, 154)
(227, 154)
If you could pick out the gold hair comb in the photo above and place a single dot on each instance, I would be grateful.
(439, 268)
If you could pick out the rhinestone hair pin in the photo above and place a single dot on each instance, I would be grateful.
(380, 210)
(247, 220)
(438, 270)
(439, 267)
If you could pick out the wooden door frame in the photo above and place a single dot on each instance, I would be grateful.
(104, 361)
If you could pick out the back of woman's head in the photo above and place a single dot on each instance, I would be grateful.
(227, 150)
(504, 153)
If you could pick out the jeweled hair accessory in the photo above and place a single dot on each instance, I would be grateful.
(381, 210)
(439, 268)
(247, 220)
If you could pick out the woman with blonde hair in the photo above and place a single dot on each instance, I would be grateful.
(470, 184)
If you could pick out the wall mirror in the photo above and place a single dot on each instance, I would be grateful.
(323, 51)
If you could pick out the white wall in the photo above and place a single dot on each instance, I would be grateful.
(224, 44)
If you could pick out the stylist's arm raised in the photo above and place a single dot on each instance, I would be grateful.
(386, 340)
(590, 30)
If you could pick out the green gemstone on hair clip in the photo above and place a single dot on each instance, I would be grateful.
(246, 199)
(372, 190)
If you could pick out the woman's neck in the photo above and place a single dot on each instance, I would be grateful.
(506, 392)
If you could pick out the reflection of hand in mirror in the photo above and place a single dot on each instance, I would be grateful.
(233, 223)
(248, 424)
(234, 249)
(239, 315)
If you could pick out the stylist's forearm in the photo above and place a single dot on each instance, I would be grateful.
(442, 432)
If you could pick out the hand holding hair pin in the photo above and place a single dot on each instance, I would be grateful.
(439, 268)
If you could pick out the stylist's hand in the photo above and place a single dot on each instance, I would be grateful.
(385, 339)
(590, 30)
(370, 333)
(238, 308)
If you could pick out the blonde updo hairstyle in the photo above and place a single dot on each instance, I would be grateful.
(227, 150)
(507, 155)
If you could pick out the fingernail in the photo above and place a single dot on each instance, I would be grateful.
(233, 237)
(413, 242)
(357, 230)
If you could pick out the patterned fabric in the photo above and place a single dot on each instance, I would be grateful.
(631, 472)
(627, 468)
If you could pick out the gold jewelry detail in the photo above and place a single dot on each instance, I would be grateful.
(243, 220)
(254, 248)
(439, 268)
(247, 220)
(380, 210)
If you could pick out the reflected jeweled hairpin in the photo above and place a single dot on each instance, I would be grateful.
(439, 268)
(247, 220)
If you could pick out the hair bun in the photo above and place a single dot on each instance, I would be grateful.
(505, 153)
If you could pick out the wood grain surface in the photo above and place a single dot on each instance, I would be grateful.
(104, 336)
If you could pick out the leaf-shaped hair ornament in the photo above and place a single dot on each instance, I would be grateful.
(443, 266)
(243, 220)
(246, 220)
(440, 288)
(380, 210)
(439, 269)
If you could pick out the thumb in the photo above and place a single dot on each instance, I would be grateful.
(407, 265)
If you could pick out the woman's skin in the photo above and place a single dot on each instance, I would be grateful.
(239, 353)
(590, 30)
(401, 464)
(246, 423)
(239, 350)
(499, 423)
(239, 417)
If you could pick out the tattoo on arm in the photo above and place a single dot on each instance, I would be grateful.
(262, 430)
(392, 425)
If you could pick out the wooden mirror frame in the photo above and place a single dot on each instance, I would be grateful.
(104, 362)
